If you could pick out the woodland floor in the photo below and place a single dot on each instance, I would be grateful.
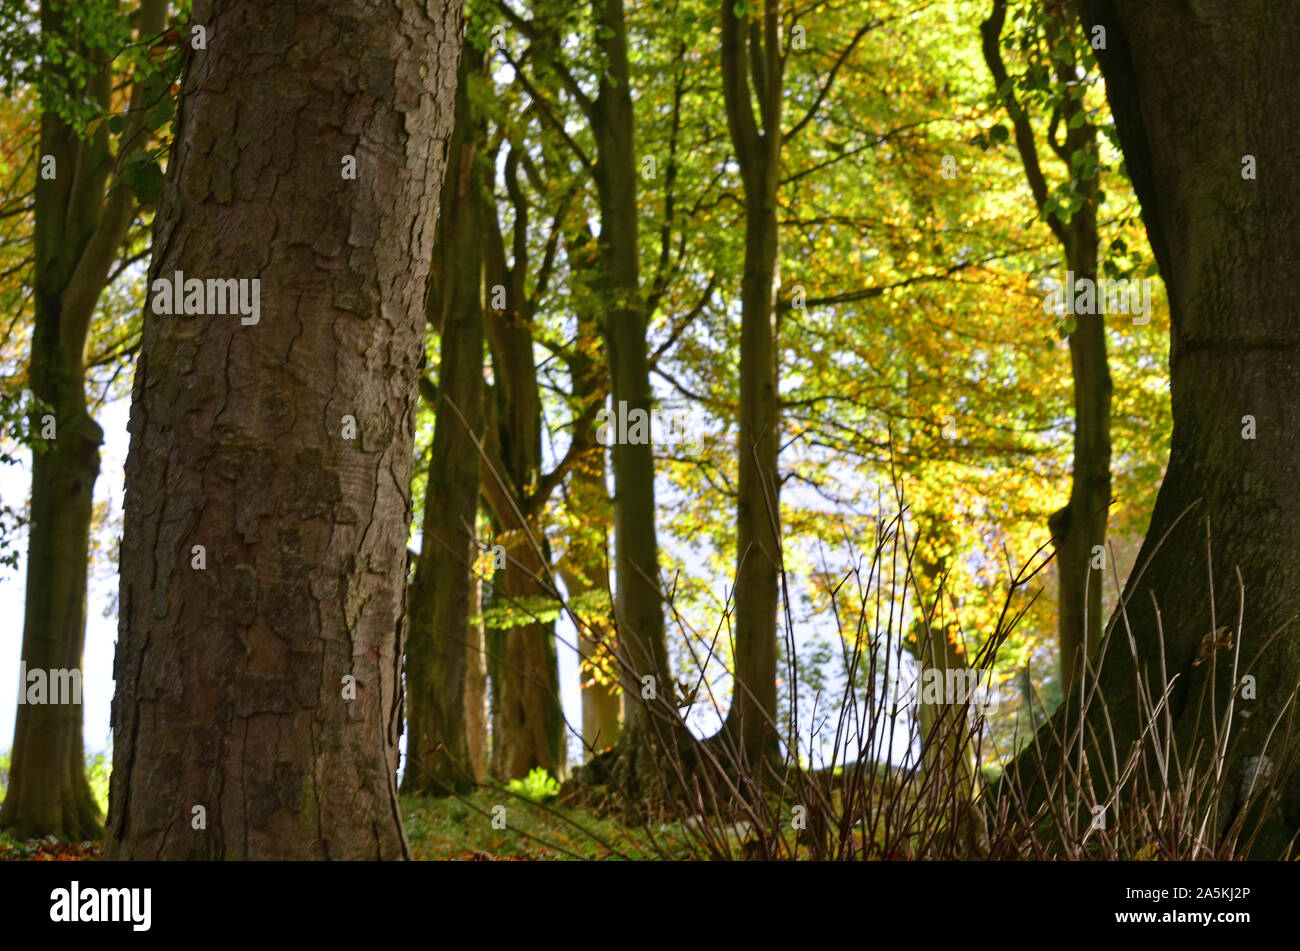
(461, 828)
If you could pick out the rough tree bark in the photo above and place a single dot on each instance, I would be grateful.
(442, 604)
(79, 229)
(1195, 88)
(233, 680)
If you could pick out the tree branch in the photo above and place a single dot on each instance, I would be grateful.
(991, 35)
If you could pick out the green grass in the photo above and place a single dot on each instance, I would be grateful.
(461, 828)
(537, 827)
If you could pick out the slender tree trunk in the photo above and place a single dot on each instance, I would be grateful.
(585, 567)
(1079, 527)
(949, 718)
(49, 793)
(602, 707)
(638, 601)
(584, 572)
(476, 690)
(527, 726)
(758, 542)
(258, 690)
(749, 722)
(78, 231)
(438, 757)
(947, 745)
(528, 721)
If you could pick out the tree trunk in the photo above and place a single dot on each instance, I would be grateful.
(638, 601)
(528, 720)
(476, 690)
(438, 757)
(1079, 528)
(585, 572)
(749, 720)
(947, 735)
(1189, 104)
(48, 793)
(258, 698)
(585, 567)
(78, 231)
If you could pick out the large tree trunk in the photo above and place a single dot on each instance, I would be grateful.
(236, 734)
(438, 757)
(749, 722)
(1194, 89)
(78, 232)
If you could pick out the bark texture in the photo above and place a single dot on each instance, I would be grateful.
(1195, 87)
(231, 679)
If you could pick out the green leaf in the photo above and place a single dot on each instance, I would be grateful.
(155, 85)
(160, 114)
(146, 180)
(998, 134)
(116, 124)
